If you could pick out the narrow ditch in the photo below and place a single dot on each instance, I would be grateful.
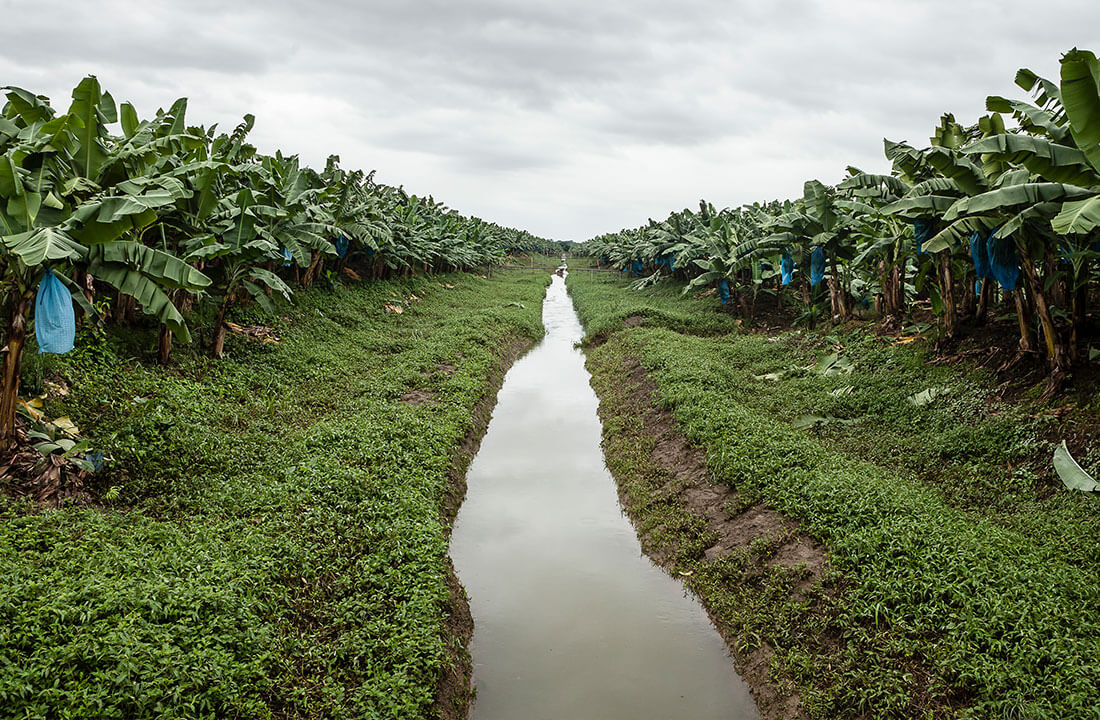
(571, 619)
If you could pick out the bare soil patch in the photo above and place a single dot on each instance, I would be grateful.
(417, 397)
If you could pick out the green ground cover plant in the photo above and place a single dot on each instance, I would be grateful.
(963, 576)
(269, 539)
(662, 305)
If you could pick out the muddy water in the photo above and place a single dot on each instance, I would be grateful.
(571, 620)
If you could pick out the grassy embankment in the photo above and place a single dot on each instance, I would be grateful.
(275, 542)
(959, 579)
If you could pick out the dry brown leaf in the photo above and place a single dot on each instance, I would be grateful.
(907, 340)
(256, 332)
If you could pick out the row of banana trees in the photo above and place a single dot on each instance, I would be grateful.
(165, 216)
(1008, 206)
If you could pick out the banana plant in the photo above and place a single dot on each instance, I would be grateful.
(236, 251)
(68, 198)
(1049, 199)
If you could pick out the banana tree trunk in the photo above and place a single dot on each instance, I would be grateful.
(840, 292)
(16, 338)
(1058, 293)
(982, 308)
(125, 308)
(898, 274)
(947, 295)
(885, 299)
(804, 285)
(893, 288)
(1079, 314)
(220, 327)
(834, 301)
(1023, 319)
(969, 302)
(1055, 348)
(164, 345)
(313, 271)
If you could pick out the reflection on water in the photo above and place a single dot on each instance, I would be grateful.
(571, 621)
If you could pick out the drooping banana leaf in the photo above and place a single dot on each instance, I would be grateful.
(958, 232)
(42, 244)
(149, 295)
(922, 206)
(271, 280)
(1006, 199)
(964, 171)
(1031, 118)
(1080, 89)
(1039, 211)
(1048, 160)
(1078, 216)
(165, 268)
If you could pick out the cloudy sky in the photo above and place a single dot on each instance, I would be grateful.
(568, 118)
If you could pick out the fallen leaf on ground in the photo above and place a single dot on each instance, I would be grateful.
(256, 332)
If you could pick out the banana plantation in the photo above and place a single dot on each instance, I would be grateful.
(160, 217)
(999, 216)
(254, 462)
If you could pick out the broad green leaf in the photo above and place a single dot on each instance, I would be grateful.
(85, 109)
(1073, 475)
(272, 280)
(1080, 88)
(129, 117)
(259, 295)
(924, 397)
(924, 206)
(11, 177)
(1036, 212)
(1031, 118)
(957, 233)
(205, 252)
(164, 268)
(152, 299)
(41, 245)
(1078, 216)
(30, 108)
(1005, 199)
(1049, 160)
(964, 171)
(93, 232)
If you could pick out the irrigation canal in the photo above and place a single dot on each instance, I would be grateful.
(571, 620)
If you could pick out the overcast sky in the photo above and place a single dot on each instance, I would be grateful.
(568, 118)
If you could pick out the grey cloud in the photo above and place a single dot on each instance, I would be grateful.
(505, 104)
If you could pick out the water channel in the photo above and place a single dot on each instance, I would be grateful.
(571, 620)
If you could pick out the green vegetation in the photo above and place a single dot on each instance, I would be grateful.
(167, 216)
(963, 575)
(267, 537)
(602, 313)
(270, 540)
(990, 214)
